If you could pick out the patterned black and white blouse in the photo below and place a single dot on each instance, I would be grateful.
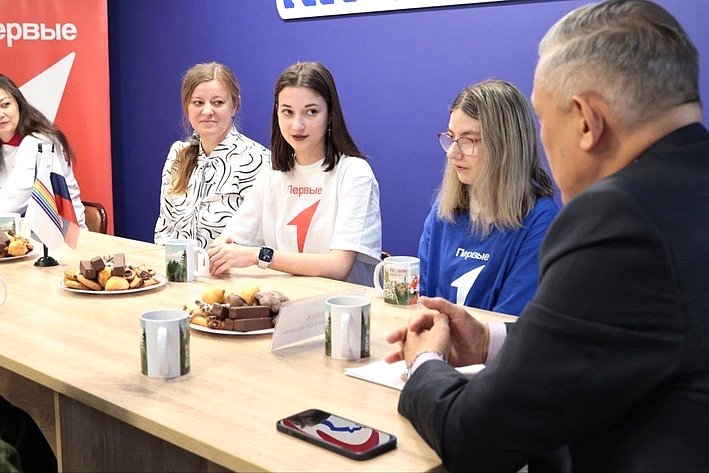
(215, 189)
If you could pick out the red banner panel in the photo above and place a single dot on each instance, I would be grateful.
(56, 51)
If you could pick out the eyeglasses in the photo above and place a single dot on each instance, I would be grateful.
(466, 145)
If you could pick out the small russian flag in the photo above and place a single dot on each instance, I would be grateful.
(50, 213)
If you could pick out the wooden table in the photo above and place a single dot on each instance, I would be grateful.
(73, 362)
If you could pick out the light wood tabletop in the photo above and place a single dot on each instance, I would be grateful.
(78, 356)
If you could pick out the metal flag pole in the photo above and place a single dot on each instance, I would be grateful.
(46, 260)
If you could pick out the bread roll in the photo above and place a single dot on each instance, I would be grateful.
(213, 295)
(17, 248)
(248, 293)
(117, 283)
(103, 276)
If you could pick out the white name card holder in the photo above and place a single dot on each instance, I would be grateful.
(304, 319)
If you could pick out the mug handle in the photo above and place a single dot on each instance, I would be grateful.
(4, 291)
(203, 258)
(377, 273)
(345, 321)
(162, 351)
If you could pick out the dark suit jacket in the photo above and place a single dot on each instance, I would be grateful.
(611, 357)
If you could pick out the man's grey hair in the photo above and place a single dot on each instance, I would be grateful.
(631, 52)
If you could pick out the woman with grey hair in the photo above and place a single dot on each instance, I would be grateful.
(480, 243)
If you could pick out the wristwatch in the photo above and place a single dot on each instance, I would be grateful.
(265, 256)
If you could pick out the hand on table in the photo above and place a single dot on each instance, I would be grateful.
(447, 329)
(224, 254)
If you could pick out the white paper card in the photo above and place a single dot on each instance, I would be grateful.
(390, 374)
(304, 318)
(380, 372)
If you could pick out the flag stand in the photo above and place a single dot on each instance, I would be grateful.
(46, 260)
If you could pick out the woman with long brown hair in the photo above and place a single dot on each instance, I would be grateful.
(26, 135)
(315, 211)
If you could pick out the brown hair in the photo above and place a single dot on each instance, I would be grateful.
(32, 120)
(338, 141)
(186, 159)
(511, 179)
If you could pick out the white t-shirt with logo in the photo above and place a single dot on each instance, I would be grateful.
(308, 210)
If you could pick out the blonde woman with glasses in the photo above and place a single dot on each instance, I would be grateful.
(480, 243)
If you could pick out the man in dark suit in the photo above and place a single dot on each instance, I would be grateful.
(611, 357)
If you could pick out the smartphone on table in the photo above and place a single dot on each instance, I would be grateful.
(338, 434)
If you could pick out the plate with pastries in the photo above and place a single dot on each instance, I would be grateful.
(14, 247)
(110, 275)
(248, 311)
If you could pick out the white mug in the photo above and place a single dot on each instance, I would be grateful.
(347, 327)
(3, 285)
(10, 221)
(185, 260)
(401, 279)
(164, 343)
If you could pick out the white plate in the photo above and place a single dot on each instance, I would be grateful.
(162, 280)
(202, 328)
(34, 252)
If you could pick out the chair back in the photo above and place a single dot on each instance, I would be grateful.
(95, 215)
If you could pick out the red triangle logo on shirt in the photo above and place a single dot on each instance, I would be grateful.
(302, 224)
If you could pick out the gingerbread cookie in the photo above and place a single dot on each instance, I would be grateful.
(74, 284)
(93, 285)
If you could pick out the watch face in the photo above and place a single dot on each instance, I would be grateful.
(265, 254)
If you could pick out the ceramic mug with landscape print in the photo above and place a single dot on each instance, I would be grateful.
(185, 260)
(400, 279)
(164, 343)
(347, 327)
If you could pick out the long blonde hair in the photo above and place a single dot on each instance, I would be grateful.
(186, 159)
(511, 178)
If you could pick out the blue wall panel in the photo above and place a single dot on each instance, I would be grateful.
(396, 72)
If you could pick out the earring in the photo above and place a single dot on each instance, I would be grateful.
(329, 131)
(194, 140)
